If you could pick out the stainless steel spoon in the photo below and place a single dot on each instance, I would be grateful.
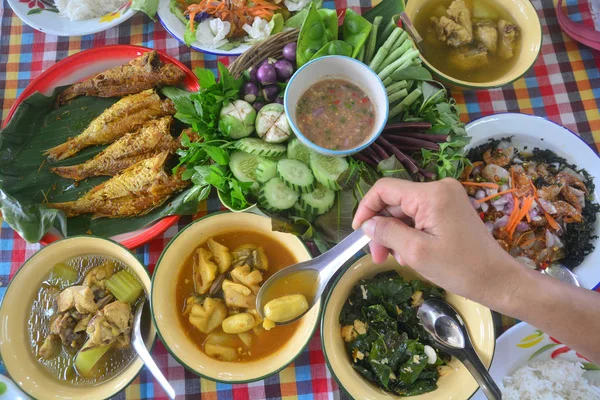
(140, 347)
(562, 273)
(325, 266)
(447, 328)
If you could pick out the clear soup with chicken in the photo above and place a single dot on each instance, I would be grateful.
(81, 319)
(470, 40)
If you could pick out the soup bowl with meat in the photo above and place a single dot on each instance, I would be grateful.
(204, 298)
(67, 320)
(336, 105)
(477, 44)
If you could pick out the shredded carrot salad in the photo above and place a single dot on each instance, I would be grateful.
(237, 13)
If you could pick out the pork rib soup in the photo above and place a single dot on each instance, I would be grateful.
(80, 322)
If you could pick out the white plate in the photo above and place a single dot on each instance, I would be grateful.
(176, 28)
(518, 344)
(43, 16)
(534, 132)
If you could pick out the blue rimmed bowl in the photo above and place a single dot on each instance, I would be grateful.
(337, 67)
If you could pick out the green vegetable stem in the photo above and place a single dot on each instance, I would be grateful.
(384, 50)
(404, 104)
(372, 40)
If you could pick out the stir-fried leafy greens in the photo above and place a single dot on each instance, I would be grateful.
(387, 343)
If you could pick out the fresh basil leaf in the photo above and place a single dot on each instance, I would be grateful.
(206, 78)
(217, 154)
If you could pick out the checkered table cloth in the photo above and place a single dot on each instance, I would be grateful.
(563, 86)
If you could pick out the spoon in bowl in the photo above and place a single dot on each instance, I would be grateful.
(320, 269)
(448, 330)
(562, 273)
(140, 347)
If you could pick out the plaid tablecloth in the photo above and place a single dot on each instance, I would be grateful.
(563, 86)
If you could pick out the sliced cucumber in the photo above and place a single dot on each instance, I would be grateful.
(319, 201)
(297, 151)
(260, 148)
(243, 165)
(276, 196)
(266, 170)
(327, 169)
(299, 211)
(296, 175)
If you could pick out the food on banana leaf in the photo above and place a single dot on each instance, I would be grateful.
(134, 192)
(153, 138)
(126, 115)
(144, 72)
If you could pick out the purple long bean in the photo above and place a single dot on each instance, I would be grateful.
(369, 161)
(426, 144)
(403, 158)
(432, 137)
(408, 125)
(380, 151)
(371, 153)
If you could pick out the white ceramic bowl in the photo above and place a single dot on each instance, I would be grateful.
(530, 131)
(522, 343)
(337, 67)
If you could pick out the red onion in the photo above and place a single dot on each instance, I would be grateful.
(522, 227)
(480, 194)
(547, 206)
(549, 239)
(490, 226)
(490, 192)
(501, 222)
(485, 207)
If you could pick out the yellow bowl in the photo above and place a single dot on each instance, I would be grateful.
(526, 18)
(164, 309)
(457, 385)
(25, 371)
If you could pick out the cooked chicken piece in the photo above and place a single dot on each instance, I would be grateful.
(204, 270)
(97, 276)
(100, 332)
(63, 325)
(144, 72)
(135, 192)
(349, 333)
(118, 314)
(467, 59)
(460, 13)
(82, 324)
(238, 296)
(450, 32)
(245, 276)
(81, 297)
(508, 34)
(123, 340)
(126, 115)
(487, 35)
(51, 347)
(153, 138)
(102, 301)
(221, 254)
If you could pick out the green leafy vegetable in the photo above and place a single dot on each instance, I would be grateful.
(3, 388)
(356, 30)
(330, 19)
(388, 346)
(149, 7)
(334, 48)
(311, 38)
(447, 161)
(415, 73)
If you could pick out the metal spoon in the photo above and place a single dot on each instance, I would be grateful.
(325, 265)
(562, 273)
(140, 347)
(447, 328)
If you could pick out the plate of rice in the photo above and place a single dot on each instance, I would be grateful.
(77, 17)
(531, 365)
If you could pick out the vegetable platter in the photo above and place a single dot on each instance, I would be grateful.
(248, 152)
(24, 189)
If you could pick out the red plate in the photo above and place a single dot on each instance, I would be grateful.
(81, 66)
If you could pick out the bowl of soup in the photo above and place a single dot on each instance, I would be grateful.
(336, 105)
(477, 44)
(67, 320)
(204, 298)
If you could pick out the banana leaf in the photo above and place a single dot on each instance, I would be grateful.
(26, 182)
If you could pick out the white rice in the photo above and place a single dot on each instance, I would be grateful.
(77, 10)
(549, 380)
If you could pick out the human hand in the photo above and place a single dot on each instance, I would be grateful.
(434, 229)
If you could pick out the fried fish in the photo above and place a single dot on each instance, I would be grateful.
(144, 72)
(126, 115)
(134, 192)
(153, 138)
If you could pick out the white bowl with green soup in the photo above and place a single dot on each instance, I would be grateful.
(336, 105)
(67, 320)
